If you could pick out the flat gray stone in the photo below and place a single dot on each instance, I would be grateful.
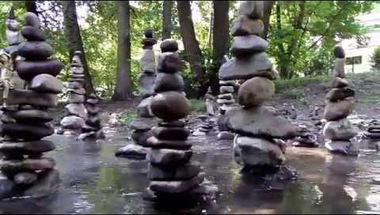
(248, 45)
(147, 61)
(248, 67)
(72, 122)
(77, 110)
(27, 165)
(243, 26)
(258, 122)
(31, 147)
(257, 152)
(132, 151)
(146, 84)
(176, 186)
(142, 123)
(155, 143)
(27, 69)
(75, 98)
(169, 157)
(27, 131)
(30, 97)
(35, 50)
(46, 83)
(226, 89)
(32, 115)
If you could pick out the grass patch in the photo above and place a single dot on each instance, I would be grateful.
(197, 106)
(284, 84)
(127, 116)
(293, 94)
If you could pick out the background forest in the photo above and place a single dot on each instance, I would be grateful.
(301, 35)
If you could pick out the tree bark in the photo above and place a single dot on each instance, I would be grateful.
(123, 89)
(75, 42)
(268, 6)
(193, 52)
(167, 19)
(31, 6)
(220, 39)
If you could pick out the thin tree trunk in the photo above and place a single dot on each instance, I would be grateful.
(220, 39)
(75, 42)
(193, 52)
(167, 19)
(268, 5)
(123, 89)
(31, 6)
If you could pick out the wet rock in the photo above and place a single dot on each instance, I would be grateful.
(172, 124)
(46, 83)
(170, 106)
(20, 96)
(72, 122)
(32, 115)
(339, 94)
(147, 61)
(169, 157)
(31, 147)
(146, 84)
(227, 89)
(168, 62)
(31, 19)
(227, 96)
(259, 121)
(164, 133)
(46, 185)
(142, 123)
(32, 33)
(248, 45)
(27, 132)
(340, 130)
(252, 9)
(339, 82)
(255, 91)
(225, 135)
(340, 109)
(176, 186)
(244, 26)
(181, 172)
(342, 147)
(27, 165)
(257, 152)
(169, 45)
(29, 69)
(155, 143)
(77, 110)
(132, 151)
(246, 68)
(35, 50)
(76, 98)
(168, 82)
(25, 178)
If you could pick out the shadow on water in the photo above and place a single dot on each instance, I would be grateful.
(93, 180)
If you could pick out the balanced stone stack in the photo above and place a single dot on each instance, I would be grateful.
(25, 119)
(256, 146)
(171, 173)
(144, 121)
(225, 101)
(75, 110)
(373, 131)
(147, 65)
(340, 102)
(93, 127)
(12, 33)
(205, 127)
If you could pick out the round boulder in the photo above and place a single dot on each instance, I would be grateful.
(170, 106)
(255, 91)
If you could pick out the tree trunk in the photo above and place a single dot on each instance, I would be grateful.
(123, 88)
(220, 40)
(75, 42)
(268, 5)
(31, 6)
(167, 19)
(193, 52)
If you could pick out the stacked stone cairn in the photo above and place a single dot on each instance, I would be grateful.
(12, 33)
(93, 127)
(144, 121)
(76, 113)
(373, 132)
(255, 146)
(24, 121)
(340, 102)
(147, 65)
(171, 173)
(225, 101)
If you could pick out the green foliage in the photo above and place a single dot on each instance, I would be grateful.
(197, 106)
(375, 58)
(304, 33)
(285, 84)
